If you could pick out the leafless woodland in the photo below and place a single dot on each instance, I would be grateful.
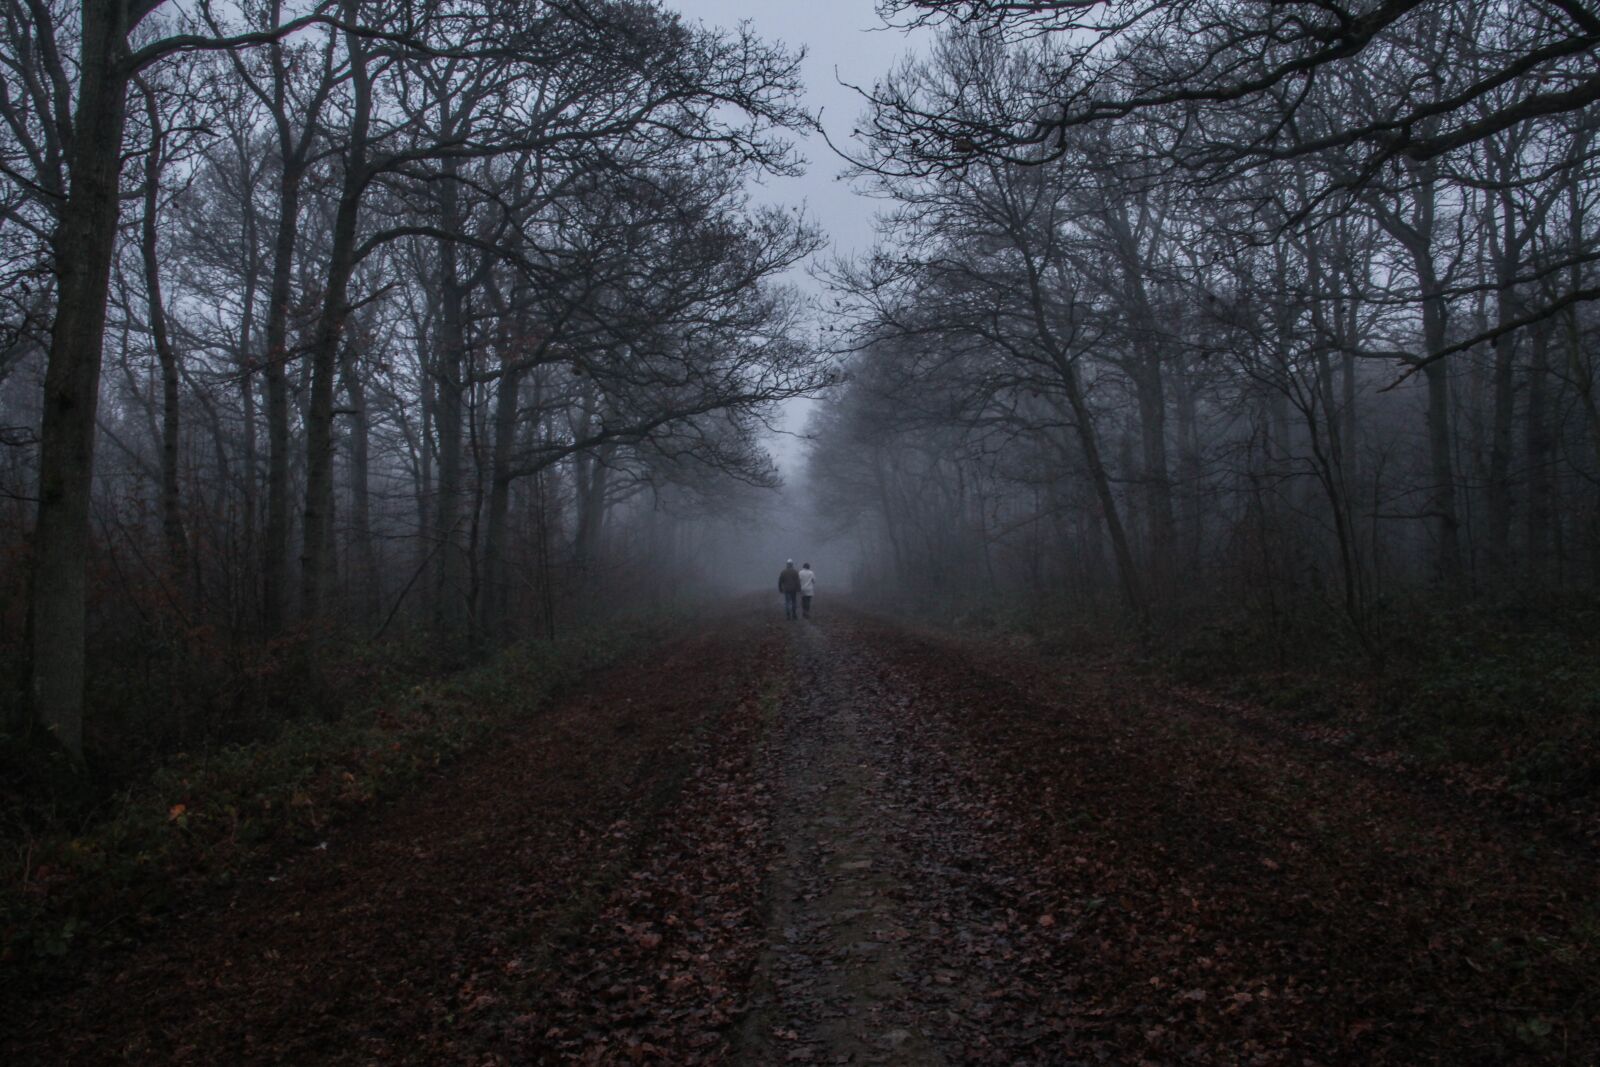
(402, 305)
(335, 321)
(1217, 309)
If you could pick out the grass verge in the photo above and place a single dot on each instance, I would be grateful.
(69, 885)
(1513, 695)
(1501, 697)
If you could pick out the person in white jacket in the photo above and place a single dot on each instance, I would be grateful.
(808, 585)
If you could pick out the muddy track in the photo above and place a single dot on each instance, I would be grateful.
(833, 983)
(884, 908)
(842, 842)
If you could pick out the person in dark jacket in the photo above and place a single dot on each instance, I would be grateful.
(789, 586)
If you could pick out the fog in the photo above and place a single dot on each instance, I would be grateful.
(466, 327)
(1189, 411)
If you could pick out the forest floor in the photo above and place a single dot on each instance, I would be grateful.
(849, 841)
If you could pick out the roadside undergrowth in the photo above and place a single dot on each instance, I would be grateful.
(1233, 895)
(203, 819)
(1500, 702)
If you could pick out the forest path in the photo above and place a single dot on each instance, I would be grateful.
(852, 841)
(989, 856)
(875, 895)
(511, 909)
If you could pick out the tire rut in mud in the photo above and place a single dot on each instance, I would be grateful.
(884, 913)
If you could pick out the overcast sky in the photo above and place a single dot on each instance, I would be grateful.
(845, 41)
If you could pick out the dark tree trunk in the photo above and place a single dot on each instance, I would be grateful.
(1190, 473)
(1147, 371)
(593, 484)
(1416, 235)
(890, 524)
(315, 557)
(1502, 384)
(493, 602)
(275, 544)
(425, 447)
(246, 362)
(368, 578)
(1061, 361)
(293, 155)
(1539, 448)
(1089, 443)
(1442, 492)
(82, 248)
(1153, 460)
(547, 585)
(449, 358)
(172, 535)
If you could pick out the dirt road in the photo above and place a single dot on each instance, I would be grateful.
(882, 908)
(846, 842)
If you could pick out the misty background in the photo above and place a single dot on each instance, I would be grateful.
(353, 325)
(848, 48)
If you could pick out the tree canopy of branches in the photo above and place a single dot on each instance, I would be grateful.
(1232, 80)
(430, 290)
(1356, 369)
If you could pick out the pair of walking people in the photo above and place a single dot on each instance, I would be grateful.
(797, 586)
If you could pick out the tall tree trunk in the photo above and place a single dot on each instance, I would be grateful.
(1441, 442)
(172, 534)
(493, 603)
(1066, 368)
(275, 544)
(1502, 386)
(474, 559)
(1539, 448)
(82, 248)
(425, 449)
(1349, 425)
(368, 579)
(1110, 514)
(589, 478)
(293, 154)
(245, 361)
(1442, 493)
(1146, 370)
(449, 358)
(593, 484)
(547, 585)
(315, 560)
(1328, 444)
(1416, 235)
(1190, 473)
(1153, 459)
(891, 530)
(315, 557)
